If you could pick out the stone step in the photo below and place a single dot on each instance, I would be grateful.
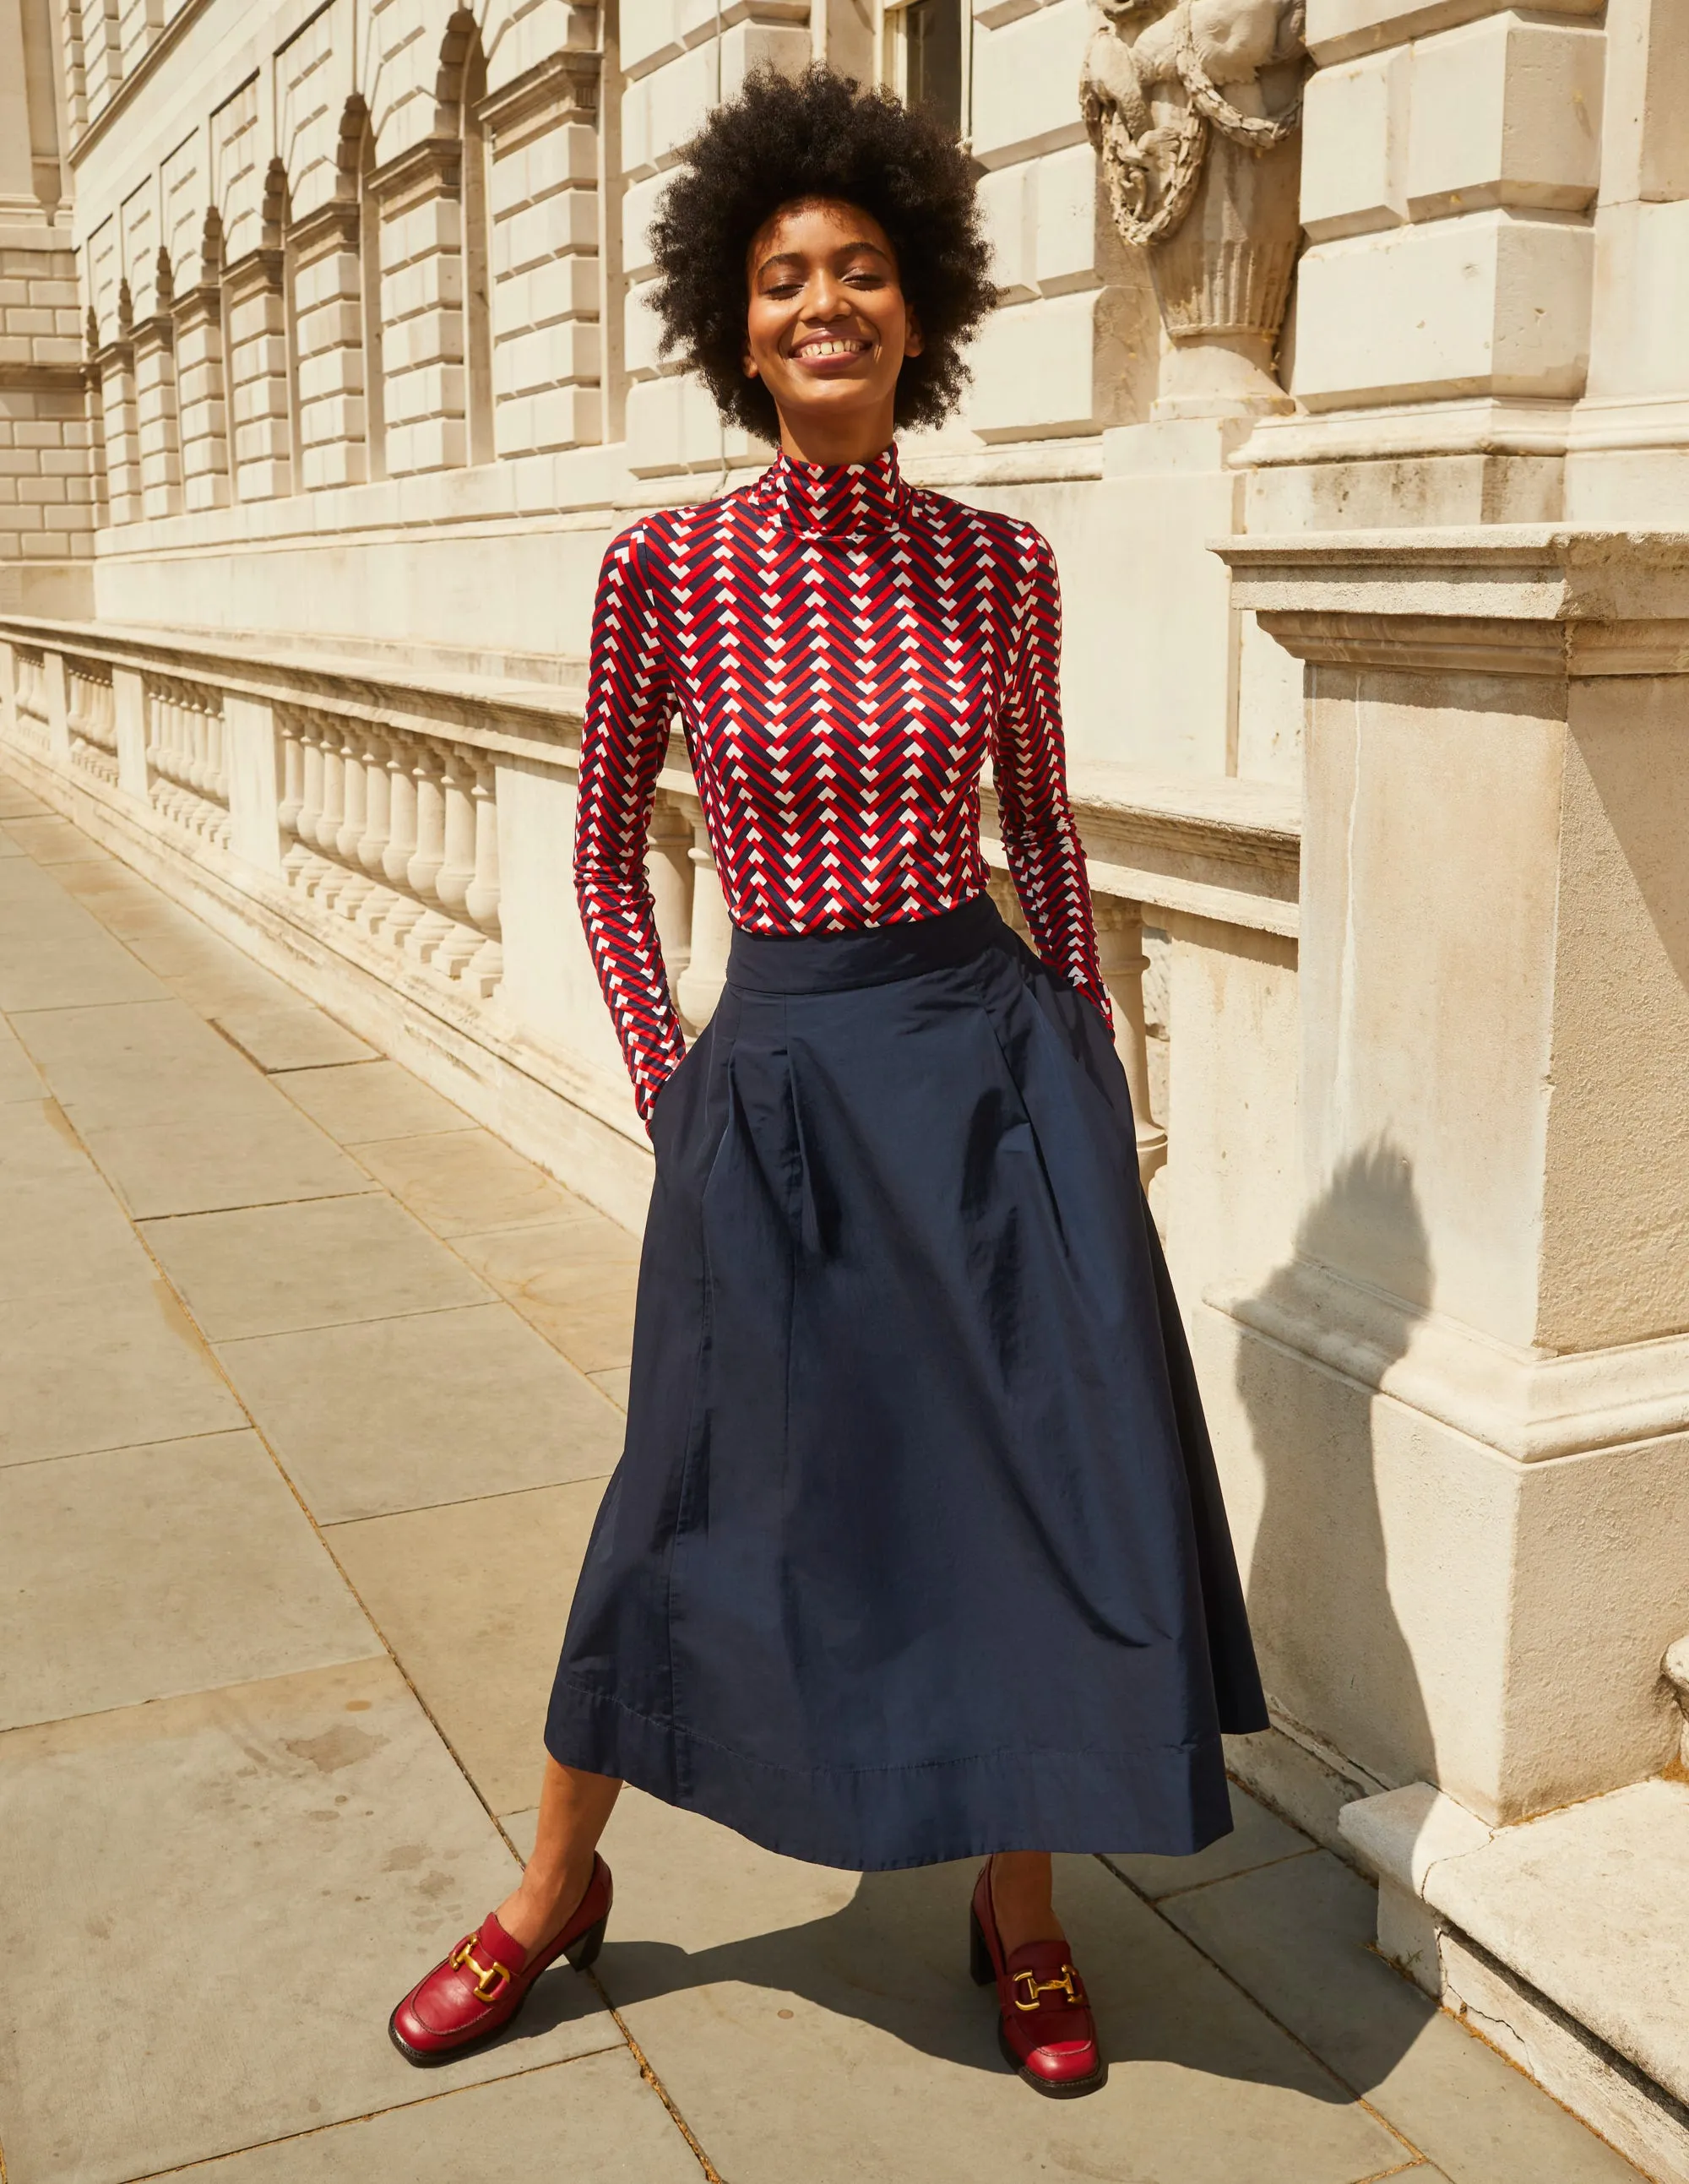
(1563, 1940)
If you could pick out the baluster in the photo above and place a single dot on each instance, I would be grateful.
(404, 910)
(372, 843)
(290, 773)
(219, 759)
(668, 868)
(1120, 950)
(706, 968)
(456, 875)
(429, 775)
(482, 902)
(310, 801)
(191, 712)
(351, 894)
(330, 877)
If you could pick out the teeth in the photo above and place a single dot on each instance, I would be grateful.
(832, 348)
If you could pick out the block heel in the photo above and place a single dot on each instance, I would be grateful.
(583, 1954)
(978, 1952)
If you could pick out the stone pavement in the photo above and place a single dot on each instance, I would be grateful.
(308, 1390)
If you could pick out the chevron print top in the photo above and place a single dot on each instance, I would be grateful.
(845, 652)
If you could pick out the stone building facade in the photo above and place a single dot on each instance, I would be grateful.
(1340, 356)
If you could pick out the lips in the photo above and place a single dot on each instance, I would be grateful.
(830, 353)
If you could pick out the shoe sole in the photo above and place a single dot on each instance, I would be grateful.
(580, 1955)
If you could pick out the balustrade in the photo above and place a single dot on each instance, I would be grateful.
(387, 841)
(699, 987)
(29, 686)
(187, 772)
(93, 718)
(396, 835)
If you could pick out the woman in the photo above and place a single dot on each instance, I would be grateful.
(914, 1550)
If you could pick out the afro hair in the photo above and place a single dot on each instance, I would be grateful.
(784, 140)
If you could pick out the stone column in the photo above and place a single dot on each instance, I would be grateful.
(328, 315)
(542, 198)
(1458, 1412)
(258, 376)
(202, 397)
(115, 367)
(156, 425)
(425, 395)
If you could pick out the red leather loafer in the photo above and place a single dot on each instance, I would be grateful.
(480, 1987)
(1044, 2026)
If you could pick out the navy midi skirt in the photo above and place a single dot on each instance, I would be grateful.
(916, 1550)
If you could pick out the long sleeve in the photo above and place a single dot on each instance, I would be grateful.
(623, 743)
(1041, 840)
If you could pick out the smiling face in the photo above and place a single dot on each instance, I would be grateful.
(828, 329)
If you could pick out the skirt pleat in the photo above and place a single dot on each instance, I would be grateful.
(916, 1550)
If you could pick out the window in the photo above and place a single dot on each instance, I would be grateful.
(924, 56)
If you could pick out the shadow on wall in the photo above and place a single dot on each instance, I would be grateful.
(1333, 1653)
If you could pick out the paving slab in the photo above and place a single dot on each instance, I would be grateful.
(823, 2026)
(19, 1078)
(140, 1572)
(359, 1101)
(596, 2118)
(327, 1262)
(407, 1413)
(142, 1064)
(466, 1181)
(244, 1882)
(17, 802)
(283, 1033)
(1296, 1936)
(51, 840)
(111, 1366)
(53, 954)
(1258, 1837)
(8, 848)
(472, 1599)
(213, 1162)
(615, 1384)
(575, 1280)
(61, 1228)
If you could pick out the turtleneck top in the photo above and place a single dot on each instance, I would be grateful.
(845, 653)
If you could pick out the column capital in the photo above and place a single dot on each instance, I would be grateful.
(1527, 599)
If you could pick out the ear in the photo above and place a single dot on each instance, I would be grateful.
(747, 365)
(914, 341)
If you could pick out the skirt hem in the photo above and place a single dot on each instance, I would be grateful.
(1168, 1801)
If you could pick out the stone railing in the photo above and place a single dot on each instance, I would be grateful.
(91, 717)
(396, 840)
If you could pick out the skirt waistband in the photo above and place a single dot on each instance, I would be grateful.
(833, 962)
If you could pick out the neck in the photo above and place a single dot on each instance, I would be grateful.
(855, 439)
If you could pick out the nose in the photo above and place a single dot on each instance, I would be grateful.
(828, 296)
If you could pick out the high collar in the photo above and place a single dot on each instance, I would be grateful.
(835, 499)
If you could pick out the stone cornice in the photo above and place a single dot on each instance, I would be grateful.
(1531, 1405)
(256, 270)
(563, 82)
(128, 90)
(157, 332)
(334, 223)
(435, 164)
(196, 306)
(43, 378)
(1507, 599)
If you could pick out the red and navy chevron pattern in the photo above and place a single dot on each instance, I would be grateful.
(845, 653)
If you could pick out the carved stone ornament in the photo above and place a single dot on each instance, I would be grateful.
(1203, 173)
